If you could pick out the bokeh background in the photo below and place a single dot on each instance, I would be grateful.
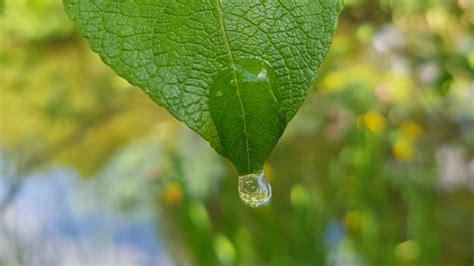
(377, 168)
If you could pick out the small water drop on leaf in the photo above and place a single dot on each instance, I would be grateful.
(254, 189)
(263, 74)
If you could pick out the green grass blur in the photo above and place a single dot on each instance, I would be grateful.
(376, 169)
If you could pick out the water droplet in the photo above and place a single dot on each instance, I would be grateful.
(254, 189)
(262, 75)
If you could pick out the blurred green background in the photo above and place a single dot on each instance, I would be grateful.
(377, 168)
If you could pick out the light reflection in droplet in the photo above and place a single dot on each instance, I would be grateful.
(254, 189)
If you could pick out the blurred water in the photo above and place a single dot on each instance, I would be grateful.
(46, 225)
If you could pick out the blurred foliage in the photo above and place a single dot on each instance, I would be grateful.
(376, 169)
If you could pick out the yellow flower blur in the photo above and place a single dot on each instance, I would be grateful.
(374, 121)
(172, 194)
(268, 170)
(403, 149)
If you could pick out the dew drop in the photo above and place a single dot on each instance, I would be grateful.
(254, 189)
(262, 75)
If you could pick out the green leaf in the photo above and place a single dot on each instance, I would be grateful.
(234, 71)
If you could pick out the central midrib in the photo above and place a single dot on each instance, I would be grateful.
(231, 58)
